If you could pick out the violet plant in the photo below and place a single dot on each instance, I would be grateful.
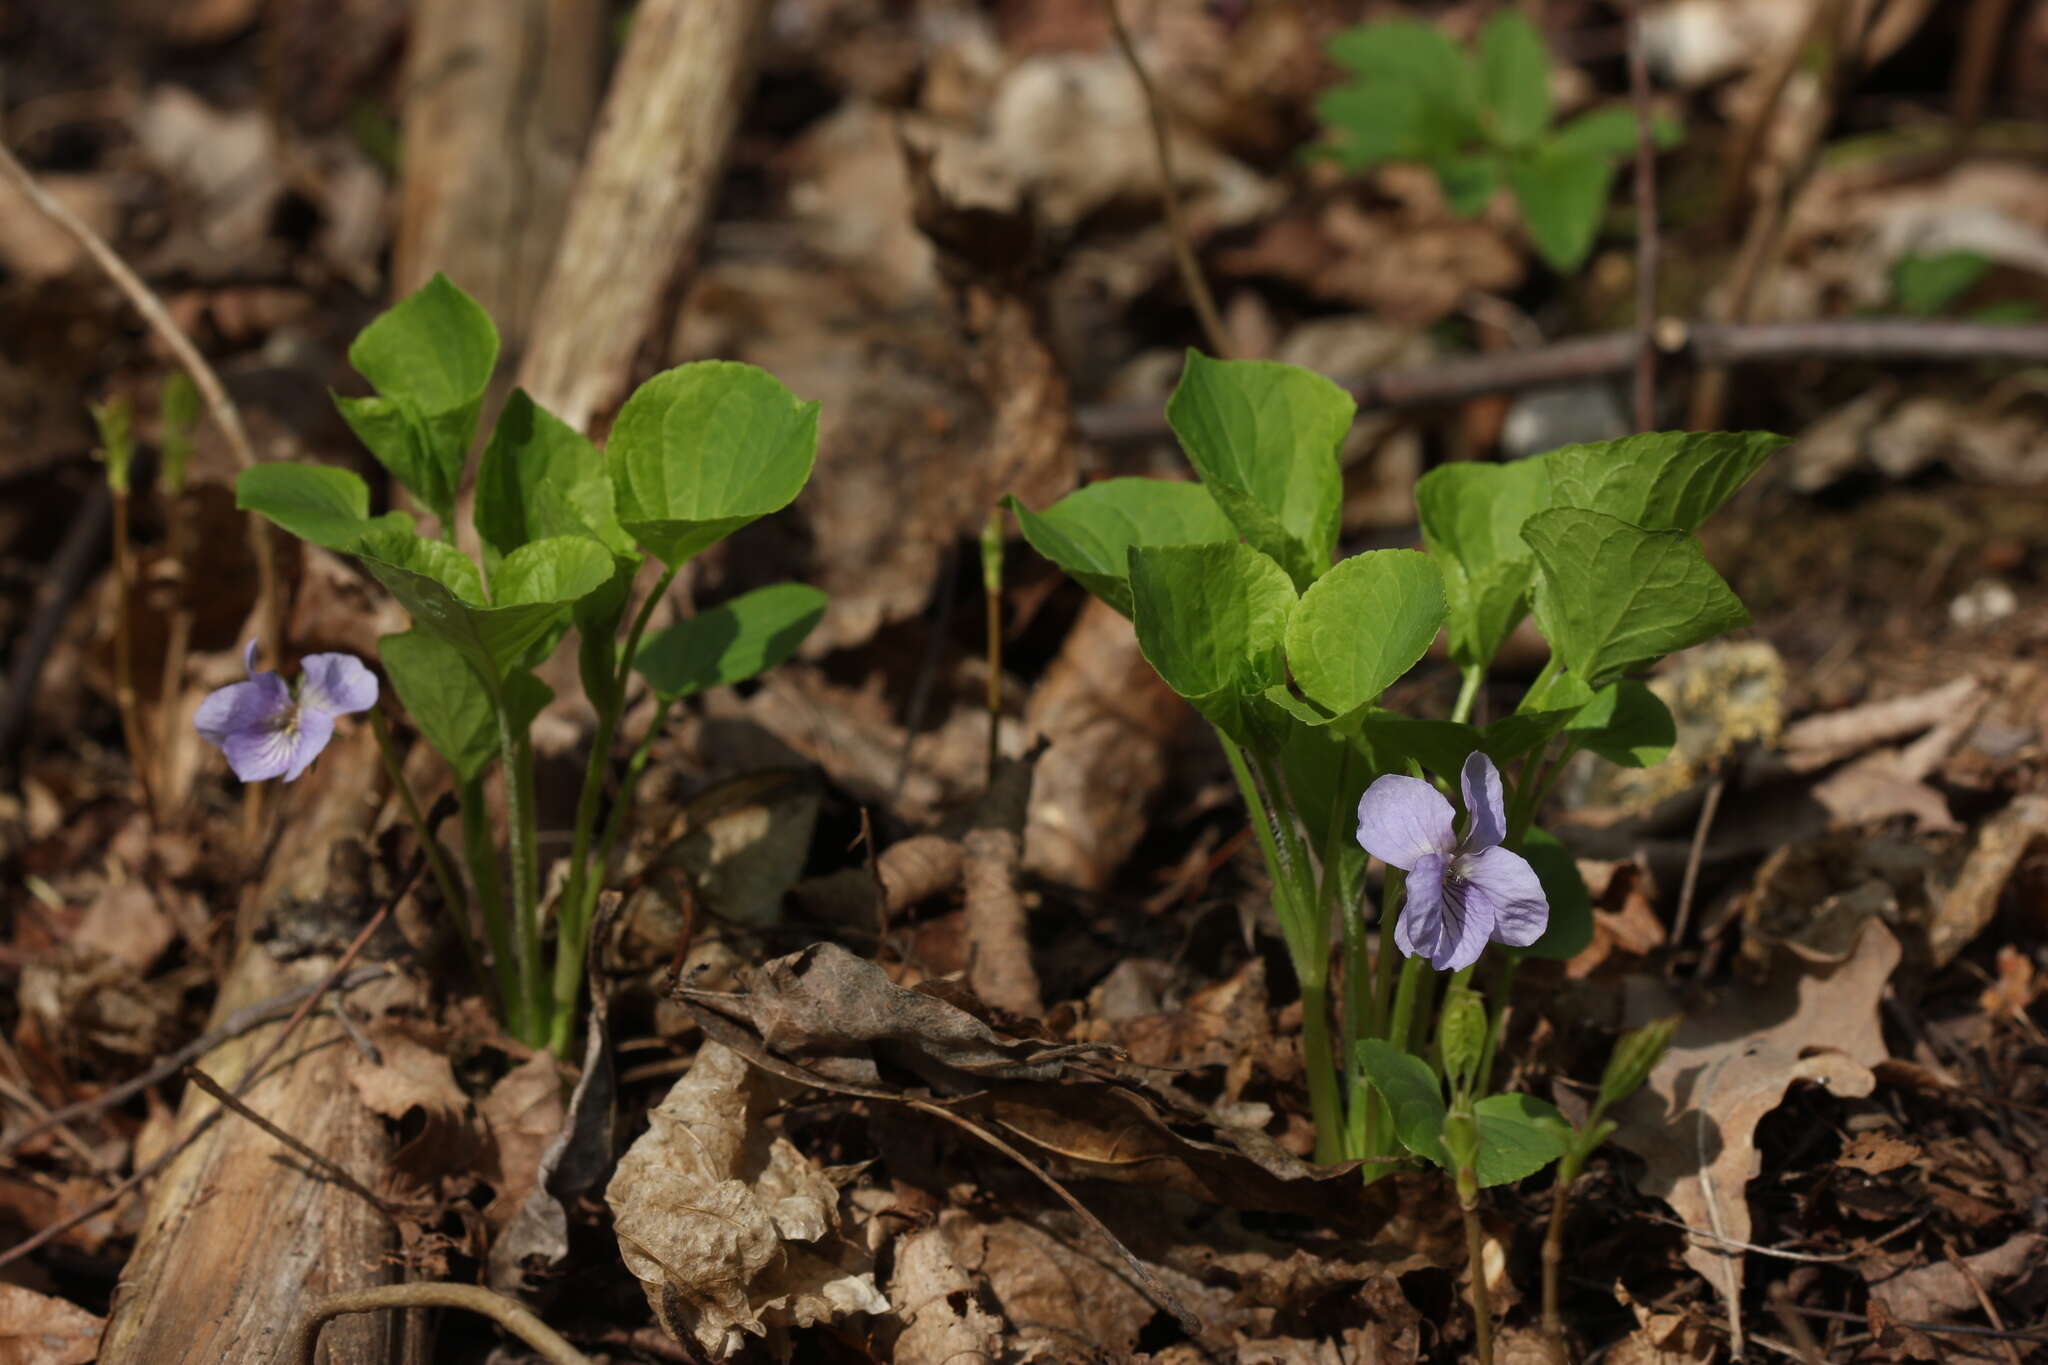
(1230, 583)
(696, 453)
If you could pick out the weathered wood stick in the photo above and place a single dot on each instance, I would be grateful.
(239, 1244)
(499, 101)
(646, 190)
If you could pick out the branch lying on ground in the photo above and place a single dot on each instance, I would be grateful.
(1889, 340)
(508, 1313)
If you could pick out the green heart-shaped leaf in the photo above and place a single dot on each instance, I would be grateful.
(1472, 517)
(1264, 438)
(1658, 480)
(451, 704)
(1362, 625)
(1089, 532)
(1518, 1136)
(329, 507)
(1211, 620)
(1614, 597)
(1514, 77)
(1571, 905)
(730, 643)
(701, 450)
(1625, 723)
(1563, 195)
(541, 477)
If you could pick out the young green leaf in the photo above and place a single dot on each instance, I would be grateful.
(703, 449)
(1472, 517)
(1518, 1136)
(1625, 723)
(1211, 620)
(1614, 597)
(1089, 532)
(1434, 79)
(1373, 123)
(730, 643)
(541, 477)
(329, 507)
(1563, 196)
(1659, 480)
(1468, 182)
(429, 356)
(1611, 132)
(1571, 905)
(451, 704)
(1514, 76)
(1413, 1094)
(1438, 746)
(1362, 625)
(443, 591)
(1925, 285)
(1636, 1054)
(1264, 438)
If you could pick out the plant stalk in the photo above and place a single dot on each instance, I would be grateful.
(481, 855)
(1468, 692)
(1475, 1253)
(139, 755)
(517, 750)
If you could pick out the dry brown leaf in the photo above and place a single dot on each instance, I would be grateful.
(1967, 910)
(1877, 1153)
(943, 1317)
(523, 1113)
(1938, 1292)
(124, 923)
(732, 1233)
(1694, 1123)
(38, 1330)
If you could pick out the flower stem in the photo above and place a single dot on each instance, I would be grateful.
(1503, 992)
(139, 755)
(523, 839)
(480, 852)
(1475, 1253)
(1306, 931)
(1468, 692)
(1553, 1243)
(437, 857)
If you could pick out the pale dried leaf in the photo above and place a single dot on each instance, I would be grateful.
(523, 1113)
(707, 1209)
(1694, 1123)
(1938, 1292)
(38, 1330)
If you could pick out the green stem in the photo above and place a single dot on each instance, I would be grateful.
(1552, 666)
(1496, 1022)
(571, 951)
(481, 854)
(1475, 1253)
(1414, 972)
(437, 857)
(1468, 692)
(1294, 904)
(517, 751)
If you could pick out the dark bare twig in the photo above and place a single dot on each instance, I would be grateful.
(63, 580)
(1203, 301)
(1960, 1329)
(1646, 225)
(1974, 73)
(1970, 1277)
(1803, 1345)
(1888, 340)
(1709, 807)
(338, 1172)
(508, 1313)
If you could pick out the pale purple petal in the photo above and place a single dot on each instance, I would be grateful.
(249, 658)
(242, 707)
(1440, 922)
(338, 684)
(1513, 894)
(1402, 820)
(314, 729)
(1485, 802)
(260, 752)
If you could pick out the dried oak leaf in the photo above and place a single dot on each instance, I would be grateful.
(38, 1330)
(840, 1016)
(1694, 1123)
(1937, 1292)
(730, 1232)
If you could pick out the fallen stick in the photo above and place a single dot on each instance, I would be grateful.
(646, 191)
(1885, 340)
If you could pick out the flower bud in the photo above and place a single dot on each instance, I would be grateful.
(1461, 1036)
(1635, 1055)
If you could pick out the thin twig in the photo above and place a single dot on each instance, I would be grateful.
(1974, 73)
(1960, 1329)
(327, 1164)
(1690, 883)
(63, 578)
(1169, 193)
(1970, 1277)
(1784, 1254)
(508, 1313)
(1803, 1344)
(234, 1026)
(1877, 340)
(1646, 225)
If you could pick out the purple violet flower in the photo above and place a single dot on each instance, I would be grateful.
(1461, 892)
(266, 731)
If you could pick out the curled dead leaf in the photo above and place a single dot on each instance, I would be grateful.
(729, 1231)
